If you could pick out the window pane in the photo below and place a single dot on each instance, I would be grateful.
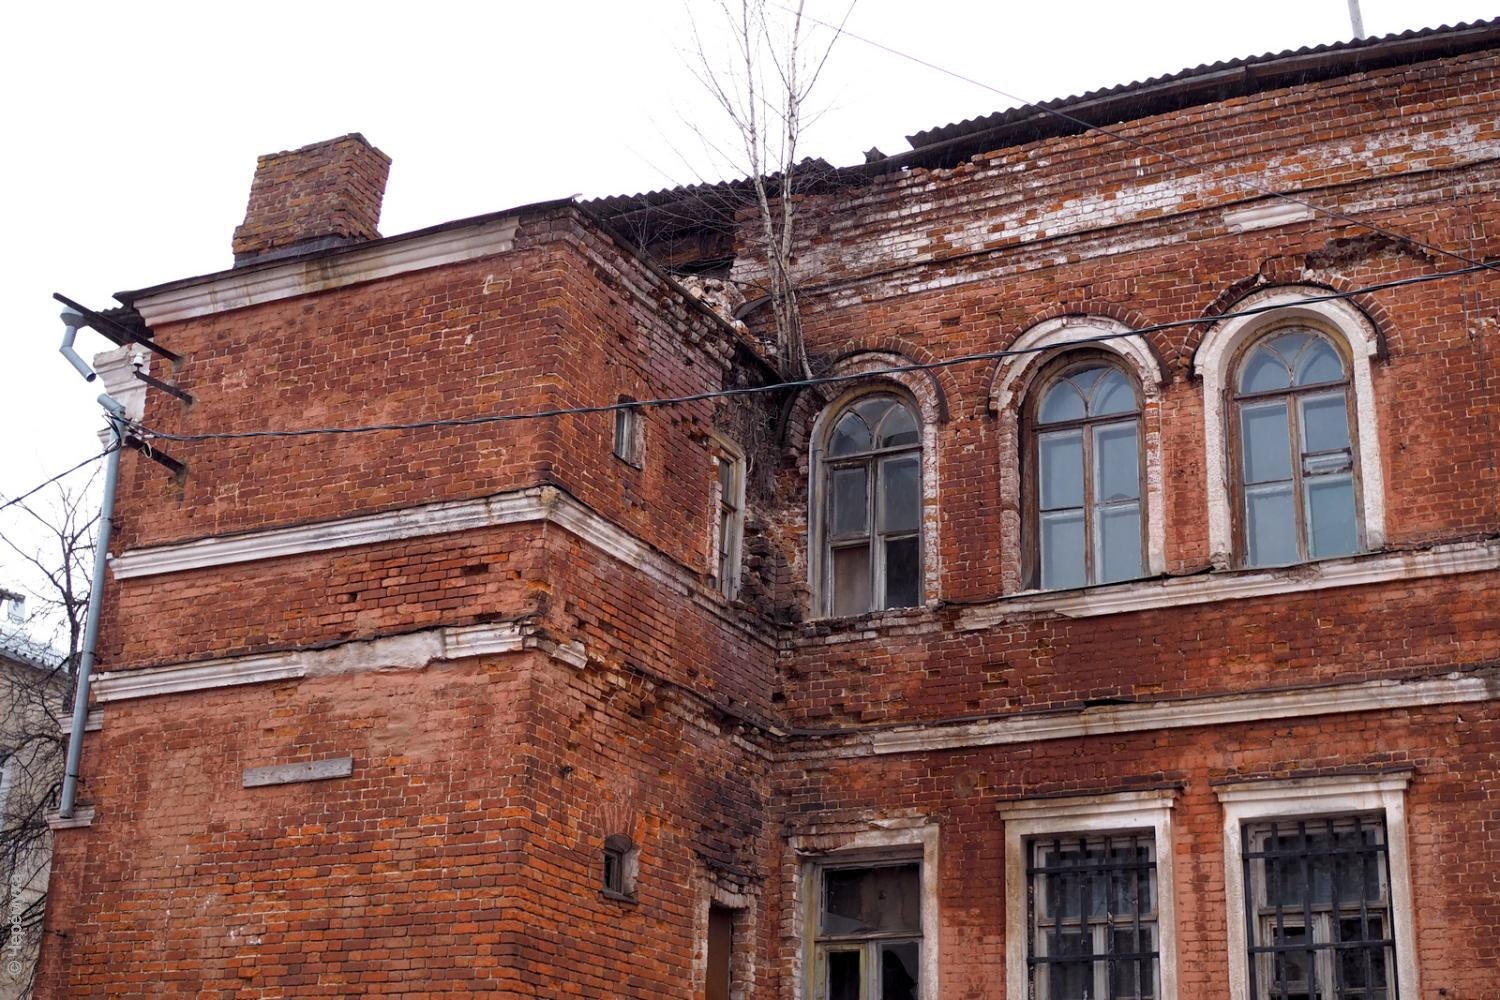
(1061, 478)
(1270, 525)
(899, 971)
(851, 501)
(1062, 550)
(865, 900)
(1117, 553)
(872, 408)
(1062, 402)
(1330, 513)
(1325, 422)
(1134, 978)
(1264, 371)
(900, 495)
(1117, 473)
(844, 975)
(726, 481)
(903, 571)
(1113, 394)
(851, 580)
(1070, 980)
(1265, 442)
(1319, 362)
(898, 428)
(850, 436)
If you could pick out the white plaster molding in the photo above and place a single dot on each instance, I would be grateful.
(302, 771)
(1265, 215)
(1011, 382)
(82, 816)
(900, 837)
(1221, 345)
(1150, 810)
(1010, 379)
(1248, 801)
(1238, 585)
(252, 286)
(412, 651)
(117, 376)
(1221, 710)
(367, 529)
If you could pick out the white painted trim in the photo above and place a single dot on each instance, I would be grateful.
(367, 529)
(893, 838)
(1264, 215)
(1080, 815)
(82, 816)
(1220, 347)
(1249, 801)
(1012, 380)
(254, 286)
(1238, 585)
(413, 651)
(1257, 706)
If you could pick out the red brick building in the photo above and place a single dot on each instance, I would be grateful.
(1152, 655)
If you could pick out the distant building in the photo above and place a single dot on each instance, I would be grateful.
(32, 688)
(1154, 654)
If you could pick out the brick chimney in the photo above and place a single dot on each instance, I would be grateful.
(320, 196)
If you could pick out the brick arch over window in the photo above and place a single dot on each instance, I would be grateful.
(807, 431)
(1213, 362)
(1016, 377)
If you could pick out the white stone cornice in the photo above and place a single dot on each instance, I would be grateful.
(368, 529)
(1366, 696)
(252, 286)
(412, 651)
(1207, 588)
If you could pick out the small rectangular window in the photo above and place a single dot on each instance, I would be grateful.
(720, 984)
(731, 520)
(869, 933)
(628, 433)
(1318, 909)
(1093, 917)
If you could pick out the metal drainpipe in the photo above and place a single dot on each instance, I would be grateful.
(115, 413)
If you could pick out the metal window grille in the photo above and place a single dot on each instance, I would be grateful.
(1318, 910)
(1092, 921)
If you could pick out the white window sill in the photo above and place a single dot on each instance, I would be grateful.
(1239, 584)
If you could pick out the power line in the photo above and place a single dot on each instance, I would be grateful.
(1141, 144)
(147, 433)
(67, 472)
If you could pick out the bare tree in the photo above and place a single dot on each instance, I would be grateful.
(763, 88)
(48, 550)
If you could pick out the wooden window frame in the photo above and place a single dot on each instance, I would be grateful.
(872, 536)
(628, 442)
(1236, 400)
(1031, 435)
(729, 520)
(867, 945)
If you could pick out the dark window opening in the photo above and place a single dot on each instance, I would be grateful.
(621, 859)
(869, 933)
(1318, 909)
(1092, 917)
(720, 953)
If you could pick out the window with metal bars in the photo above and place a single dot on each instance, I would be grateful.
(1318, 909)
(1092, 921)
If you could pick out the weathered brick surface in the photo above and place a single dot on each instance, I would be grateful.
(463, 855)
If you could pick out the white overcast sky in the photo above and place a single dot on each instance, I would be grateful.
(131, 130)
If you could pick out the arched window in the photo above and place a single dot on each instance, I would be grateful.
(872, 507)
(1085, 484)
(1296, 467)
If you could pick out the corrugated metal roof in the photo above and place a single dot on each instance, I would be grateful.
(17, 647)
(1339, 58)
(949, 145)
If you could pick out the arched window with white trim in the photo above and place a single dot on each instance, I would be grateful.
(871, 507)
(1084, 490)
(1292, 443)
(1296, 466)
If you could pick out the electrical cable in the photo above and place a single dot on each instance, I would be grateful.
(68, 472)
(147, 433)
(1141, 144)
